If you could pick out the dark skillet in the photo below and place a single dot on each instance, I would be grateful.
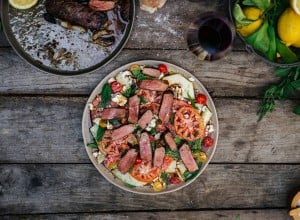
(54, 49)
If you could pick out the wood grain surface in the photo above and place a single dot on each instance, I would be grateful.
(45, 172)
(274, 214)
(55, 188)
(48, 130)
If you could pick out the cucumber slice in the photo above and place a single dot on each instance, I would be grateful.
(127, 178)
(94, 130)
(206, 115)
(186, 85)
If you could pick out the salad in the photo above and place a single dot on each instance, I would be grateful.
(151, 127)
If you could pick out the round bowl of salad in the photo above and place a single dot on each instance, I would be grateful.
(150, 127)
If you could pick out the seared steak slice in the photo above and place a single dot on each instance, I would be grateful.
(76, 13)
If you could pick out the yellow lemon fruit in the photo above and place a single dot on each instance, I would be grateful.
(251, 13)
(295, 4)
(288, 28)
(22, 4)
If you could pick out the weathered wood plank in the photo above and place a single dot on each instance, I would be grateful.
(48, 130)
(55, 188)
(238, 74)
(274, 214)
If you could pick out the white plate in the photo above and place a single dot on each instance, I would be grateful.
(87, 137)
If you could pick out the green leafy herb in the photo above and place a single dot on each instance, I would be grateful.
(164, 177)
(92, 145)
(105, 95)
(192, 101)
(153, 145)
(195, 145)
(174, 154)
(153, 131)
(190, 175)
(139, 75)
(115, 122)
(143, 101)
(289, 85)
(262, 4)
(100, 133)
(177, 140)
(129, 185)
(130, 91)
(297, 110)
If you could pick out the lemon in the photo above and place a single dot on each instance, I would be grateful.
(295, 4)
(22, 4)
(251, 13)
(288, 28)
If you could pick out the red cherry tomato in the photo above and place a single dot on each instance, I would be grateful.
(175, 180)
(116, 86)
(201, 99)
(163, 68)
(138, 160)
(207, 141)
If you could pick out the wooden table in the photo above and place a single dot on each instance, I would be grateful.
(46, 173)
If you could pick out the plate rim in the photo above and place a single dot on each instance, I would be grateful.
(97, 89)
(4, 9)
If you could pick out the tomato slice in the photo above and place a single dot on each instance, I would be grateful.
(144, 172)
(189, 124)
(167, 162)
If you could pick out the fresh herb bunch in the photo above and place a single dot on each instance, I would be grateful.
(288, 86)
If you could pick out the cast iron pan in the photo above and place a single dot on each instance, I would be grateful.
(54, 49)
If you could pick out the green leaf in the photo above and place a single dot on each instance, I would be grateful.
(139, 75)
(190, 175)
(239, 16)
(130, 91)
(259, 39)
(174, 154)
(296, 84)
(100, 133)
(177, 140)
(297, 74)
(281, 72)
(105, 95)
(92, 145)
(195, 145)
(192, 101)
(143, 101)
(115, 122)
(153, 145)
(164, 177)
(271, 54)
(287, 55)
(262, 4)
(297, 110)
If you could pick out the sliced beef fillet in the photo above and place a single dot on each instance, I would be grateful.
(145, 119)
(166, 107)
(154, 84)
(170, 141)
(122, 131)
(187, 158)
(134, 105)
(145, 147)
(112, 113)
(159, 155)
(127, 161)
(76, 13)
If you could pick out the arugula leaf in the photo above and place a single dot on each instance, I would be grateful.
(262, 4)
(192, 101)
(296, 84)
(130, 91)
(129, 185)
(143, 101)
(105, 95)
(297, 110)
(92, 145)
(153, 145)
(164, 177)
(191, 175)
(195, 144)
(174, 154)
(259, 39)
(139, 75)
(100, 133)
(177, 140)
